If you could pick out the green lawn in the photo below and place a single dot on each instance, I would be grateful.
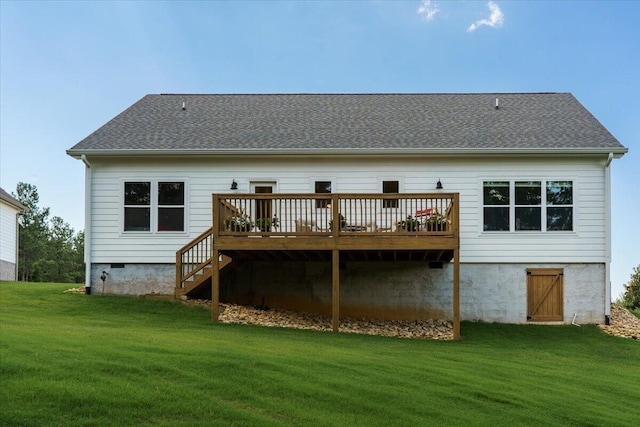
(71, 360)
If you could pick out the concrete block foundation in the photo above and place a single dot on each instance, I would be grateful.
(379, 290)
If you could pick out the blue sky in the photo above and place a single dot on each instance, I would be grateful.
(68, 67)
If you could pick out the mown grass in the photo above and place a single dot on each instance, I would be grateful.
(77, 360)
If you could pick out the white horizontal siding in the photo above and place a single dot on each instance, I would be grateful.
(8, 236)
(206, 176)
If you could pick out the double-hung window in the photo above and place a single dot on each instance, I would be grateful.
(137, 206)
(390, 187)
(323, 187)
(535, 205)
(157, 206)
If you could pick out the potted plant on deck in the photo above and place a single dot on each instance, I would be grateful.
(409, 224)
(436, 222)
(266, 224)
(343, 222)
(238, 222)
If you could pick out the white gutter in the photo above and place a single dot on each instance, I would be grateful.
(87, 225)
(618, 152)
(17, 247)
(607, 225)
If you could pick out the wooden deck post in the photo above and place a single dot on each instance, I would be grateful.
(456, 294)
(215, 286)
(178, 273)
(335, 290)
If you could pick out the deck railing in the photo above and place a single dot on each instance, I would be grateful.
(193, 257)
(331, 214)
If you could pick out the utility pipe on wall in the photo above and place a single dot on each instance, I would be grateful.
(607, 225)
(87, 225)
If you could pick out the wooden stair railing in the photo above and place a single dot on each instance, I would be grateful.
(194, 263)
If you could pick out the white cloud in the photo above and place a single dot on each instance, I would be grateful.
(428, 9)
(496, 19)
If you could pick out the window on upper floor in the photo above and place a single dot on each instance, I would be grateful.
(323, 187)
(157, 205)
(171, 206)
(137, 206)
(390, 187)
(535, 205)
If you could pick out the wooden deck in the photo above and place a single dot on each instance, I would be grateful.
(300, 227)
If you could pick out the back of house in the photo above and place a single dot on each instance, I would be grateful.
(175, 174)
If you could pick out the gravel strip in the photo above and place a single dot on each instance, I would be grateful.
(426, 329)
(622, 323)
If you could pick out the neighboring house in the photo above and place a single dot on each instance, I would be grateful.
(9, 210)
(530, 238)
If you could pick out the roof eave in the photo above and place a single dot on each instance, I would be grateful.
(434, 152)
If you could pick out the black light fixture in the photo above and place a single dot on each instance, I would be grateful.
(234, 185)
(438, 185)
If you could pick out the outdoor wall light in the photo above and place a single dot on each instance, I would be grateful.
(234, 185)
(438, 185)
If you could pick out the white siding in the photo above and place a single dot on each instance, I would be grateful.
(8, 236)
(205, 176)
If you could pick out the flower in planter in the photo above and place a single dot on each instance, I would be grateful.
(409, 224)
(266, 224)
(436, 222)
(239, 222)
(343, 222)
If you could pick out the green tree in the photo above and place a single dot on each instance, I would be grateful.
(631, 297)
(33, 230)
(50, 250)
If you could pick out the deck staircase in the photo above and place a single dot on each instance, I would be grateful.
(194, 265)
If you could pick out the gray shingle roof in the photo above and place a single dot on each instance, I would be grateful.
(157, 123)
(11, 200)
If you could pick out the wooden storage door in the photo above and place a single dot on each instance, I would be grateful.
(545, 295)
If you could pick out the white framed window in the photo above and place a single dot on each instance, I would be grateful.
(154, 206)
(322, 187)
(393, 187)
(528, 205)
(137, 206)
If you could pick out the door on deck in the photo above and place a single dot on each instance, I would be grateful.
(263, 207)
(545, 295)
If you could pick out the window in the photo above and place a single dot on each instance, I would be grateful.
(559, 206)
(524, 206)
(528, 205)
(158, 206)
(390, 187)
(323, 187)
(137, 206)
(496, 205)
(171, 206)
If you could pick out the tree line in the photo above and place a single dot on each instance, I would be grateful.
(631, 296)
(49, 249)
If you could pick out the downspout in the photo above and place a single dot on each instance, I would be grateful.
(87, 225)
(16, 278)
(607, 225)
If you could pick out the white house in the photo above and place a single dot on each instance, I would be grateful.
(9, 210)
(530, 173)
